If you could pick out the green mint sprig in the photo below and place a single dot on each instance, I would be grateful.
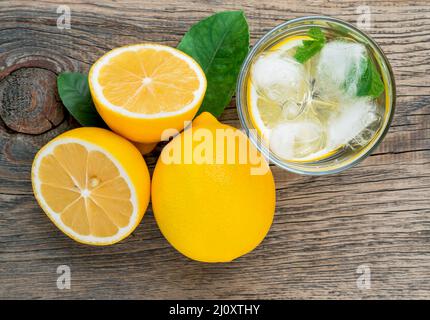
(370, 83)
(309, 48)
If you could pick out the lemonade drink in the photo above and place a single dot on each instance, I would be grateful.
(317, 95)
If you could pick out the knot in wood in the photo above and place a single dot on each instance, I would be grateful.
(29, 100)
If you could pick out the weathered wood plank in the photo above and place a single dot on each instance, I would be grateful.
(377, 213)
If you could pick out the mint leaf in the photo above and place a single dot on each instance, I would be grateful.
(219, 44)
(76, 97)
(370, 83)
(316, 34)
(309, 48)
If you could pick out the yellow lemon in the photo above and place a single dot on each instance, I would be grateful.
(215, 201)
(142, 90)
(93, 184)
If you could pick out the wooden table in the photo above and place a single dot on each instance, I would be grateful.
(376, 214)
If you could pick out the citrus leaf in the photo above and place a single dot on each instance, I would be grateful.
(75, 94)
(219, 44)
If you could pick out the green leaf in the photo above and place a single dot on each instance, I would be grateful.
(76, 97)
(309, 48)
(219, 44)
(370, 83)
(316, 34)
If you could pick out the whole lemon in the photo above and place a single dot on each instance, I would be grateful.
(213, 194)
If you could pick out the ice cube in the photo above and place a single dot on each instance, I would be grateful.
(297, 139)
(357, 119)
(280, 78)
(339, 67)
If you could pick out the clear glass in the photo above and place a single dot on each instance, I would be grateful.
(296, 27)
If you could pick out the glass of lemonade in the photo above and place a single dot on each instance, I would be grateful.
(316, 95)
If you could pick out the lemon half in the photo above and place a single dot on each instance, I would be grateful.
(93, 184)
(142, 90)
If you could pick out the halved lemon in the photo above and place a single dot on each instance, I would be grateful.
(93, 184)
(145, 91)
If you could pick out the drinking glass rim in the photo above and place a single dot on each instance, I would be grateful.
(265, 150)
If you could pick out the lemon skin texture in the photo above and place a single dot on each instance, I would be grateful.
(212, 212)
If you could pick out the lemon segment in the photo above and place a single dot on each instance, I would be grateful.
(263, 112)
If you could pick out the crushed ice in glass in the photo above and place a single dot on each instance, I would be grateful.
(319, 111)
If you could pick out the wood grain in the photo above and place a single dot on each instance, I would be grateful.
(377, 213)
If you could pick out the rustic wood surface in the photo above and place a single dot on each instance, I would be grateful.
(377, 213)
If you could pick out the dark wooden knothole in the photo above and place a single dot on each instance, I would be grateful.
(29, 101)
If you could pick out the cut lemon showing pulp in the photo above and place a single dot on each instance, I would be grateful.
(93, 184)
(142, 90)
